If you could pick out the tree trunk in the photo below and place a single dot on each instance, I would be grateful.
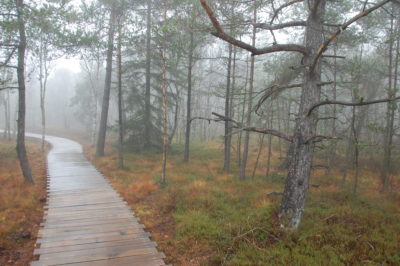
(120, 96)
(43, 73)
(164, 104)
(388, 140)
(147, 96)
(260, 147)
(332, 148)
(189, 99)
(228, 137)
(239, 148)
(8, 121)
(296, 187)
(243, 164)
(21, 149)
(271, 120)
(107, 87)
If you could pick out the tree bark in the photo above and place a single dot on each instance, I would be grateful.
(243, 164)
(296, 187)
(21, 149)
(107, 87)
(189, 99)
(164, 104)
(120, 96)
(390, 112)
(147, 96)
(271, 119)
(228, 137)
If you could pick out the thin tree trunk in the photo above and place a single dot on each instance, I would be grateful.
(164, 104)
(239, 149)
(189, 99)
(120, 96)
(8, 120)
(228, 137)
(271, 118)
(332, 150)
(21, 149)
(107, 87)
(243, 165)
(387, 156)
(356, 150)
(147, 100)
(260, 147)
(43, 72)
(297, 181)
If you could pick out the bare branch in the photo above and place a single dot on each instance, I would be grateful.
(254, 129)
(8, 57)
(278, 89)
(204, 118)
(334, 56)
(318, 138)
(266, 26)
(351, 104)
(255, 51)
(9, 88)
(279, 9)
(344, 26)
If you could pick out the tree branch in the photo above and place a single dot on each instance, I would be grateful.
(254, 129)
(279, 9)
(278, 89)
(9, 88)
(351, 104)
(9, 57)
(344, 26)
(266, 26)
(255, 51)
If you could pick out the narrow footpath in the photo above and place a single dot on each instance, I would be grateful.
(86, 222)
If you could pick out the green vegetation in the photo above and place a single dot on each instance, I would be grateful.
(216, 219)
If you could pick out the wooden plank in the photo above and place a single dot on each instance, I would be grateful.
(129, 242)
(89, 228)
(95, 254)
(137, 260)
(98, 239)
(88, 235)
(105, 220)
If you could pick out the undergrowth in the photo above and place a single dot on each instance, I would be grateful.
(21, 204)
(205, 217)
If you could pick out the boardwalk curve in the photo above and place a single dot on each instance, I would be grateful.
(86, 222)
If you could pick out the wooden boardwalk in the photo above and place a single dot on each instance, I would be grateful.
(86, 222)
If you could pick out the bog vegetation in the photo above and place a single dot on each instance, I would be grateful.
(260, 132)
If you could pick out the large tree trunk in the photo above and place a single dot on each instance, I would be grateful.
(147, 95)
(228, 137)
(21, 150)
(292, 205)
(107, 87)
(189, 99)
(243, 164)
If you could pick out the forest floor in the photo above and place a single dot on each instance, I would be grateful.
(21, 204)
(205, 217)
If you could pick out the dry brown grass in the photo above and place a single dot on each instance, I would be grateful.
(21, 204)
